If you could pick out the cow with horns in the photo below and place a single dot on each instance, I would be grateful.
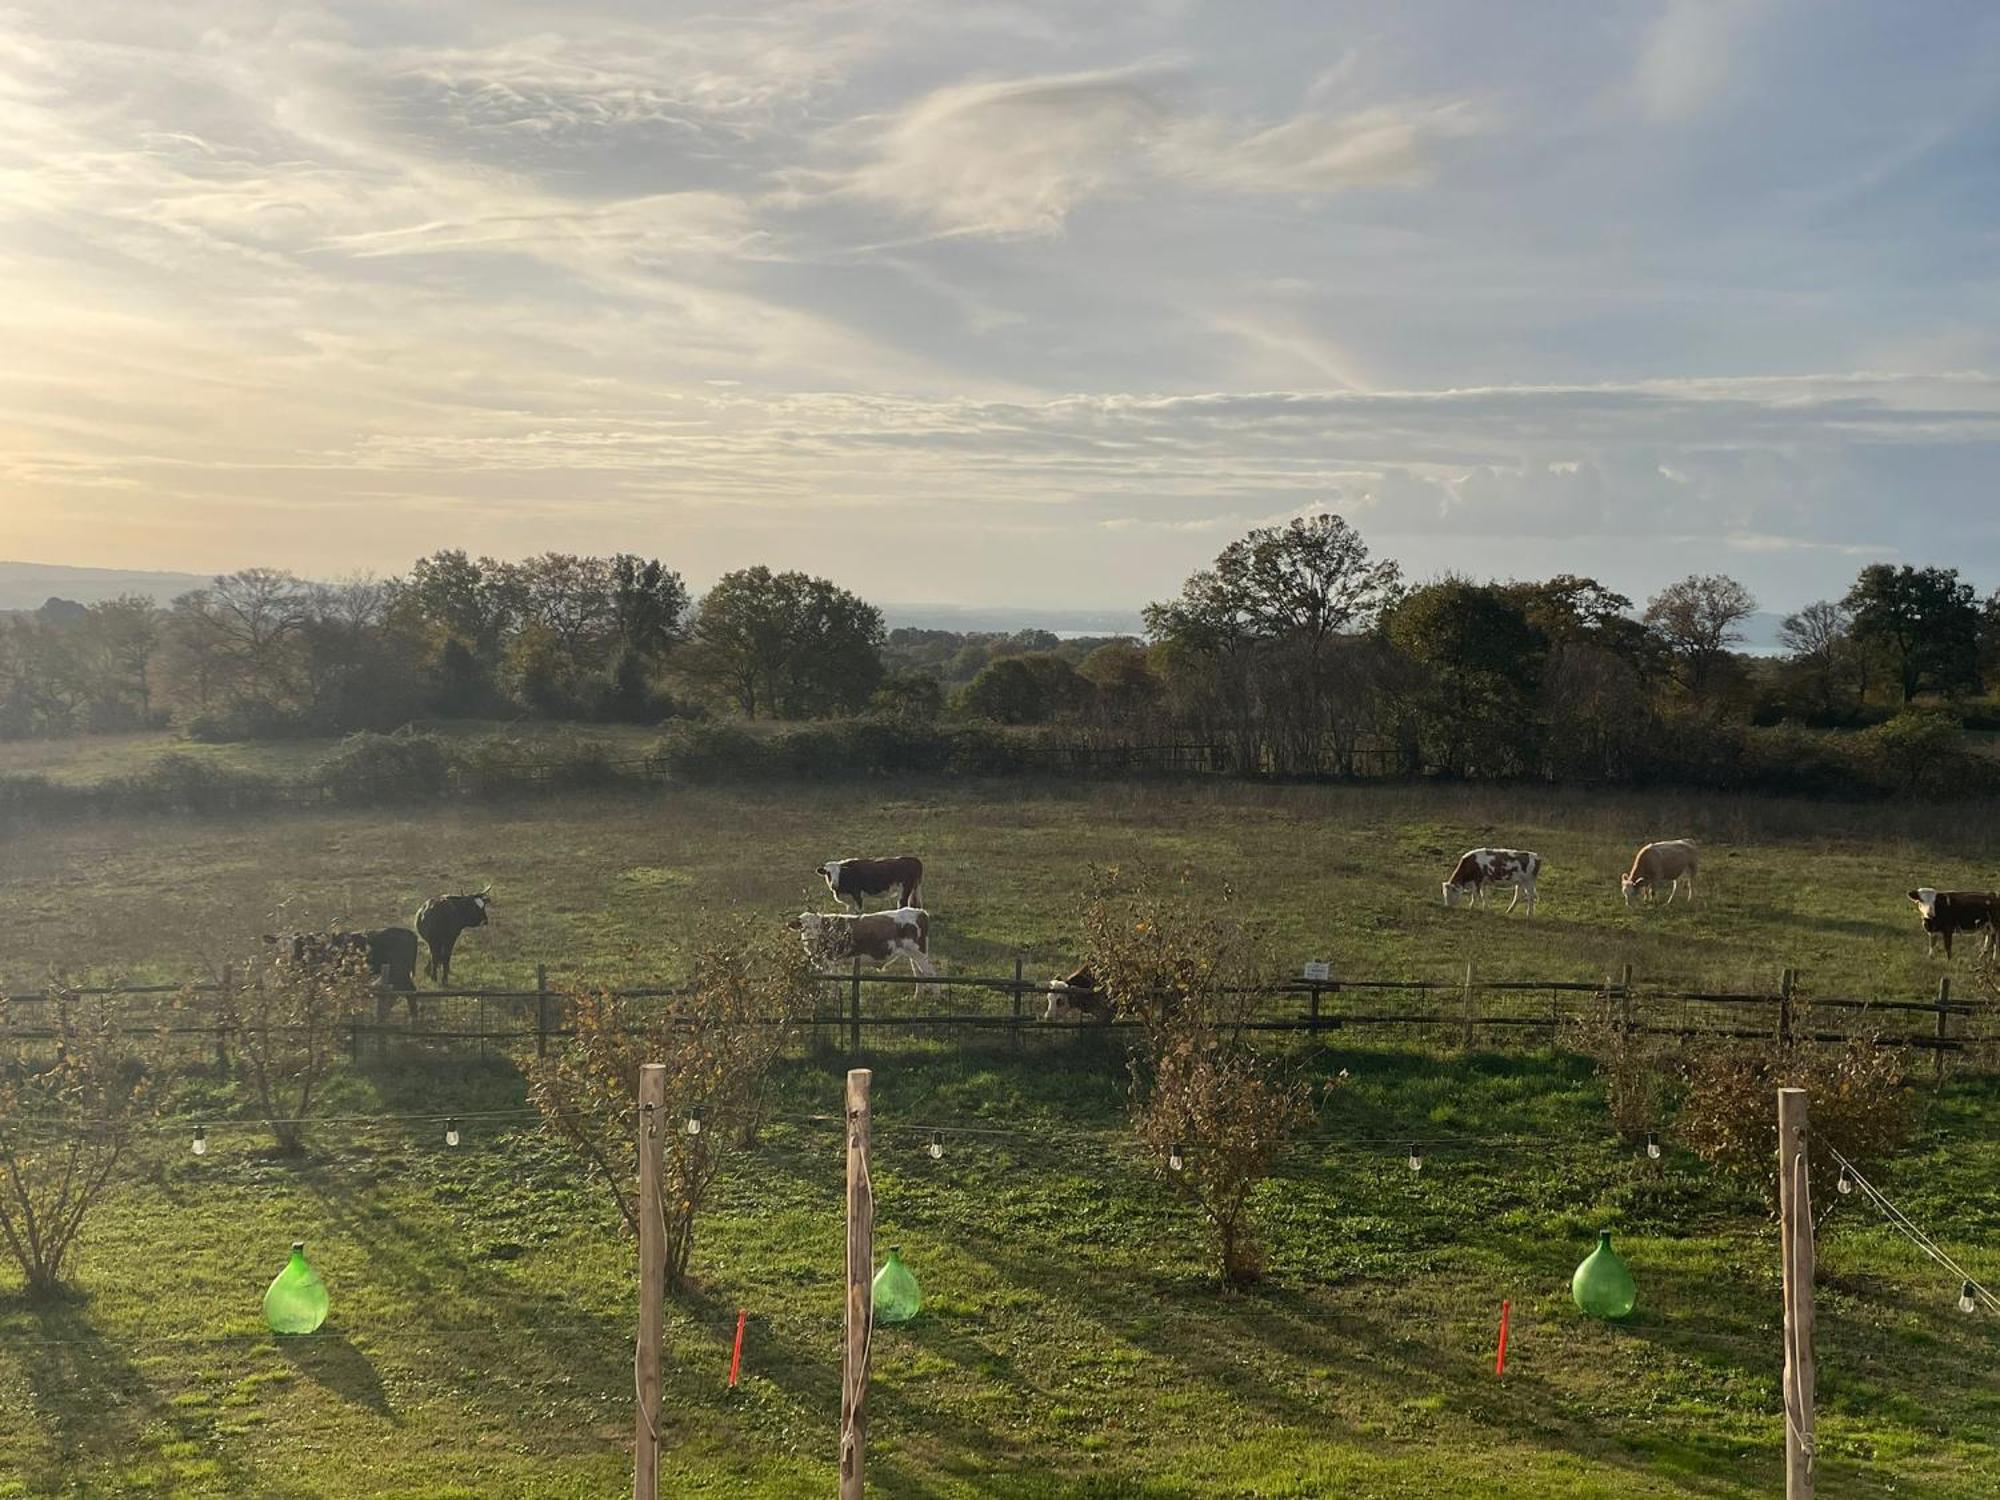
(441, 919)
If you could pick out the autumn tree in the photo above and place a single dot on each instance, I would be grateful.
(1214, 1114)
(1698, 619)
(787, 644)
(70, 1107)
(749, 987)
(1925, 623)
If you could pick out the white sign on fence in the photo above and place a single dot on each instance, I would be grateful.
(1318, 971)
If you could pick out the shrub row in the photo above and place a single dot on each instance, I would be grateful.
(1914, 754)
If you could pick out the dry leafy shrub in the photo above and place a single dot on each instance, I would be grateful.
(1201, 1095)
(749, 989)
(289, 1023)
(1857, 1100)
(70, 1105)
(1640, 1073)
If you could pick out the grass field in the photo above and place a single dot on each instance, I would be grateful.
(1073, 1344)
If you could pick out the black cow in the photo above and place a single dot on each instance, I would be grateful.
(390, 952)
(439, 922)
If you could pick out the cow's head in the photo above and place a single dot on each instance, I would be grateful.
(808, 925)
(1926, 899)
(1453, 894)
(1071, 1001)
(830, 872)
(1631, 889)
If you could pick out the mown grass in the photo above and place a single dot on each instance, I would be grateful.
(1073, 1344)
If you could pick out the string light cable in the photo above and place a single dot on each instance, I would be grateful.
(1972, 1293)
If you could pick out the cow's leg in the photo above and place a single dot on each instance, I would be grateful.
(920, 963)
(1517, 897)
(1673, 890)
(1531, 898)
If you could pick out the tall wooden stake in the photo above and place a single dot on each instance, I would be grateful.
(854, 1014)
(1795, 1242)
(652, 1282)
(860, 1301)
(1471, 1007)
(1943, 1022)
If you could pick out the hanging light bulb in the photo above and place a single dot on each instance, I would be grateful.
(1967, 1301)
(451, 1132)
(936, 1147)
(1416, 1158)
(1175, 1160)
(694, 1121)
(1652, 1146)
(201, 1140)
(1846, 1183)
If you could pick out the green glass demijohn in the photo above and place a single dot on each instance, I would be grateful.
(896, 1293)
(1602, 1285)
(296, 1302)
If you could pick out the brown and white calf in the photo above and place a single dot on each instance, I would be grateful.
(1076, 997)
(852, 879)
(1668, 863)
(878, 938)
(1479, 868)
(1948, 912)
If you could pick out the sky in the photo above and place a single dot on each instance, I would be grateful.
(1004, 302)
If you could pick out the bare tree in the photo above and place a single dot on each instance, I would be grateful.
(1699, 619)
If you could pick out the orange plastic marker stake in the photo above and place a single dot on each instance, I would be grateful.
(1500, 1360)
(736, 1354)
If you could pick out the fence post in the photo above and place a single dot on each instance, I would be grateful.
(854, 1013)
(1943, 1021)
(1625, 995)
(652, 1283)
(222, 1025)
(541, 1010)
(860, 1299)
(1786, 981)
(1471, 1006)
(1312, 1002)
(1019, 984)
(1796, 1250)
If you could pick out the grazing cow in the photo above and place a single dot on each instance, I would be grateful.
(878, 938)
(1479, 868)
(852, 879)
(1949, 912)
(390, 952)
(1076, 997)
(1668, 863)
(439, 922)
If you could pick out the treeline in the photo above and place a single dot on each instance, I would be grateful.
(1297, 652)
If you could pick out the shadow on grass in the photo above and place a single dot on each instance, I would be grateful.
(330, 1360)
(97, 1410)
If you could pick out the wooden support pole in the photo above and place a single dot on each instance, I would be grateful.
(1471, 1006)
(1020, 986)
(652, 1281)
(1943, 1023)
(860, 1297)
(1787, 981)
(1625, 993)
(221, 1023)
(1795, 1241)
(854, 1013)
(541, 1010)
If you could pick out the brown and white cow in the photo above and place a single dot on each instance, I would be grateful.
(1479, 868)
(1668, 863)
(879, 938)
(1948, 912)
(1076, 997)
(852, 879)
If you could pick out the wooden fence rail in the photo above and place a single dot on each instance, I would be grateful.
(1461, 1009)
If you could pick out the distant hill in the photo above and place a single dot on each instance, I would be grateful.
(28, 585)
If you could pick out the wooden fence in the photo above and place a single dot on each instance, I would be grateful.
(1461, 1010)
